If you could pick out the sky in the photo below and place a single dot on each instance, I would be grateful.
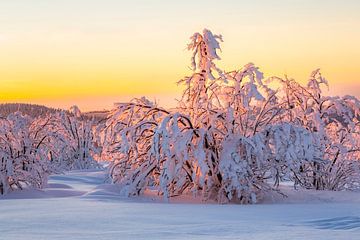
(93, 53)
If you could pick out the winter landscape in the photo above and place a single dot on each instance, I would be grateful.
(240, 154)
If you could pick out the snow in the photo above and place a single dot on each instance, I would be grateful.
(79, 205)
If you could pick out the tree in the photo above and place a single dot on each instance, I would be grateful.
(74, 141)
(335, 122)
(225, 140)
(33, 148)
(23, 154)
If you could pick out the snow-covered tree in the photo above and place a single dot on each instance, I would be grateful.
(33, 148)
(23, 153)
(75, 111)
(335, 122)
(127, 140)
(227, 138)
(74, 141)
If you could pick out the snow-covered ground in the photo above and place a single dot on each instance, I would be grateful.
(78, 205)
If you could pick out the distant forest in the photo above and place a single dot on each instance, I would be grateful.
(31, 110)
(34, 111)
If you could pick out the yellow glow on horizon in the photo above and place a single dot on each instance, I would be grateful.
(57, 53)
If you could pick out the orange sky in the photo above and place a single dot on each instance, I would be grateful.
(93, 53)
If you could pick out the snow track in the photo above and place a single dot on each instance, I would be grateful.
(78, 205)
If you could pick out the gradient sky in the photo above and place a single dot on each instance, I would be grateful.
(96, 52)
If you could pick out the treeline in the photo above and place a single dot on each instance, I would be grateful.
(32, 110)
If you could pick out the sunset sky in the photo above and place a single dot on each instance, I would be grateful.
(96, 52)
